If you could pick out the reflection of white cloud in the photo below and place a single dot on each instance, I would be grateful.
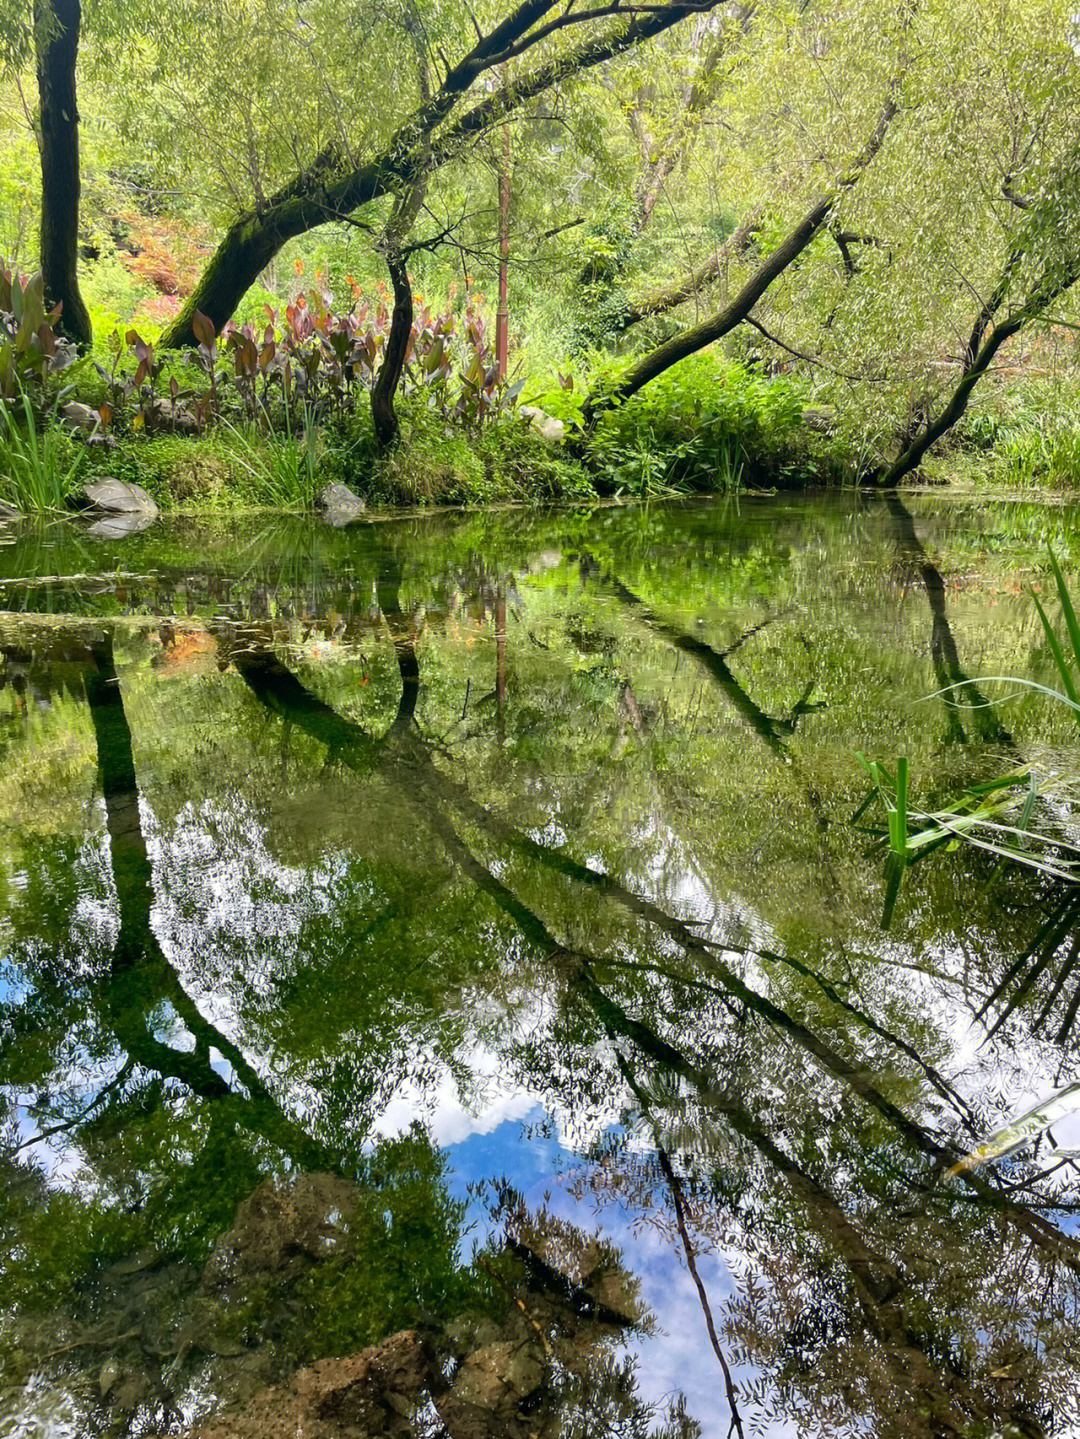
(679, 1357)
(440, 1106)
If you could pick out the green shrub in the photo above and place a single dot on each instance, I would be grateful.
(706, 424)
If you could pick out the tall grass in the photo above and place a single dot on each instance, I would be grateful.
(284, 471)
(34, 472)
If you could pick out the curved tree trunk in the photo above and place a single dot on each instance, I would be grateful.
(689, 341)
(57, 24)
(387, 425)
(325, 192)
(978, 363)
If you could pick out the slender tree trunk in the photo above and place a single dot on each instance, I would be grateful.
(387, 424)
(689, 341)
(1044, 295)
(502, 316)
(668, 297)
(57, 24)
(326, 191)
(659, 164)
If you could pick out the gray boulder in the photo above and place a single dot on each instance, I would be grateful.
(115, 497)
(339, 505)
(77, 416)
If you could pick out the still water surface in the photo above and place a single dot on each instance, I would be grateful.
(443, 991)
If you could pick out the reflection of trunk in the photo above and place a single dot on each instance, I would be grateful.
(436, 793)
(400, 627)
(142, 978)
(715, 663)
(57, 24)
(943, 651)
(500, 663)
(909, 1346)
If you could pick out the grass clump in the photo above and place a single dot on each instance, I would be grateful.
(38, 469)
(1026, 437)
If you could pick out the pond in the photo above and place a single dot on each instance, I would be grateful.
(444, 988)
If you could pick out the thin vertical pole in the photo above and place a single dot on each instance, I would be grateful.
(502, 317)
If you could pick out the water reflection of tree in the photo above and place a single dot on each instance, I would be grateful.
(787, 1113)
(939, 1368)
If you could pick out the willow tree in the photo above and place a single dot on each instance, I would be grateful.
(534, 45)
(689, 341)
(940, 267)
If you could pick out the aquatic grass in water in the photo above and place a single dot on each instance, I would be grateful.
(975, 817)
(1067, 666)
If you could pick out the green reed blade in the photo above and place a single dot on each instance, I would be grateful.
(1067, 610)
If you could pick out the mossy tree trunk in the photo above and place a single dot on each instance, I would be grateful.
(330, 190)
(57, 24)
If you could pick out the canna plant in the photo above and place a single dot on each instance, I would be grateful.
(31, 351)
(308, 360)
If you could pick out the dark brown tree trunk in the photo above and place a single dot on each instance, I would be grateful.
(325, 192)
(1039, 300)
(689, 341)
(387, 424)
(57, 25)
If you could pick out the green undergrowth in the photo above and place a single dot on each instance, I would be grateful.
(710, 425)
(1024, 434)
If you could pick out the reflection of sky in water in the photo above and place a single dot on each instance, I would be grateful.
(678, 1358)
(228, 911)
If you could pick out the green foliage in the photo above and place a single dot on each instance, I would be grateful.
(1026, 435)
(704, 425)
(286, 469)
(406, 1230)
(38, 471)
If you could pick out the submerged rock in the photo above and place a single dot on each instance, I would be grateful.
(338, 504)
(115, 497)
(370, 1395)
(281, 1228)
